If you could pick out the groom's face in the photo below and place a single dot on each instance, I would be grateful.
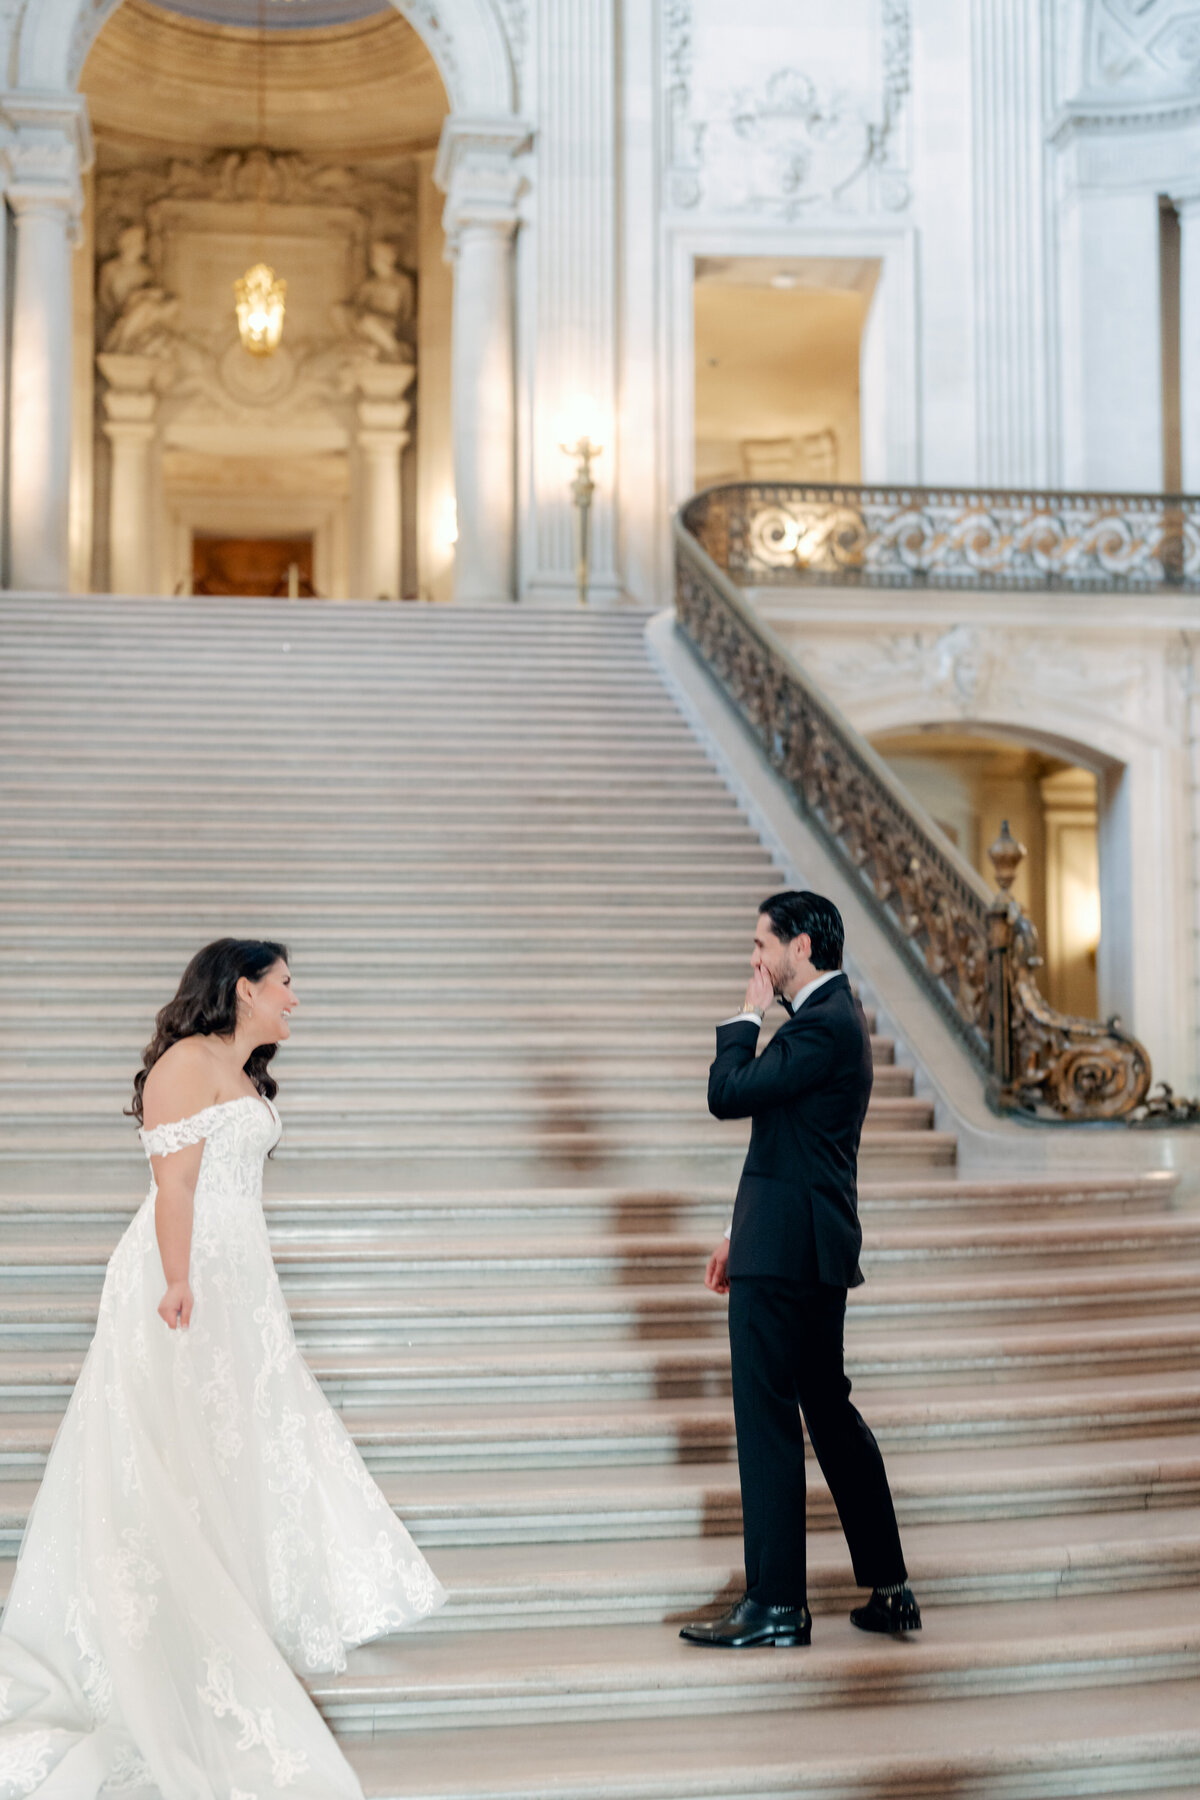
(783, 963)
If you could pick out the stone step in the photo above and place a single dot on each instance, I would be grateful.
(441, 1679)
(912, 1268)
(1063, 1327)
(429, 1434)
(341, 906)
(524, 1022)
(480, 1107)
(417, 1086)
(561, 1547)
(951, 1562)
(582, 785)
(1014, 1388)
(619, 1209)
(624, 955)
(171, 851)
(551, 1151)
(416, 1072)
(1107, 1741)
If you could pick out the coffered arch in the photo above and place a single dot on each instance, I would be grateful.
(50, 40)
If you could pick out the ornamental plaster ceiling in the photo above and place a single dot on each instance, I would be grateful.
(156, 80)
(277, 15)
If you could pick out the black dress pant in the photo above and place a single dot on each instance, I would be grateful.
(786, 1344)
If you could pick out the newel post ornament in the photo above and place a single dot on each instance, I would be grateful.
(1045, 1062)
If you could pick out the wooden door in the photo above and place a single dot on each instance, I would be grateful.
(228, 565)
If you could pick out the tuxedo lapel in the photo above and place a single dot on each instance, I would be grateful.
(839, 985)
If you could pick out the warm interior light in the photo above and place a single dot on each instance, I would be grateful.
(260, 302)
(448, 523)
(581, 420)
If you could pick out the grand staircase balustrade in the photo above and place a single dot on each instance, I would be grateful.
(780, 533)
(974, 951)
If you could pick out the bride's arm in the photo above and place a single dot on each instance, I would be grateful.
(180, 1085)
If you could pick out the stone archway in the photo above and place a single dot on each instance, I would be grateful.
(47, 44)
(50, 40)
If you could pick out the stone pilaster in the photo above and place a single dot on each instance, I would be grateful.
(48, 152)
(1189, 338)
(576, 283)
(1012, 389)
(477, 171)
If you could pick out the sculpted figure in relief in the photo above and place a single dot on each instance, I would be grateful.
(142, 316)
(382, 309)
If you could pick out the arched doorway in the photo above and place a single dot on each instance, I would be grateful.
(59, 44)
(969, 779)
(333, 453)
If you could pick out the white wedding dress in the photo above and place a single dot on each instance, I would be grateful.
(205, 1527)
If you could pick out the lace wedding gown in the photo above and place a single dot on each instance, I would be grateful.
(205, 1527)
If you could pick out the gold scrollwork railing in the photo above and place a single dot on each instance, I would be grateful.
(767, 533)
(975, 951)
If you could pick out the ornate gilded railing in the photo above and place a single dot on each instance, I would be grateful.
(974, 950)
(767, 533)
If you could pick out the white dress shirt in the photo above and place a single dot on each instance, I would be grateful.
(793, 1007)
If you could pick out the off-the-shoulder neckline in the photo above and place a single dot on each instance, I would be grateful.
(217, 1106)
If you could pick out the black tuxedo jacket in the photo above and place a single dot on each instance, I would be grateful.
(796, 1213)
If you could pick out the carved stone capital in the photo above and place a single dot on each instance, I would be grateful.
(478, 171)
(49, 147)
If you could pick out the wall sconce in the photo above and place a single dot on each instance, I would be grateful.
(582, 428)
(447, 530)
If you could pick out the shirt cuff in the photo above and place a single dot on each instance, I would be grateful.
(729, 1231)
(739, 1016)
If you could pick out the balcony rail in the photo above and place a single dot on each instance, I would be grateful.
(974, 950)
(780, 533)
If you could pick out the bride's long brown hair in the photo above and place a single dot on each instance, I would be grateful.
(205, 1005)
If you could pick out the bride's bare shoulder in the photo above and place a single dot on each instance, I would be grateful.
(183, 1081)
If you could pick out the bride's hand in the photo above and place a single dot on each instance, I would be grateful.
(175, 1307)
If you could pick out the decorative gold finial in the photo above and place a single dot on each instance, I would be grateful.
(1006, 855)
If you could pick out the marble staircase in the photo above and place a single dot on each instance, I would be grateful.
(517, 897)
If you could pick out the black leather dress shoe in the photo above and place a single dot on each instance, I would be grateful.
(749, 1625)
(888, 1612)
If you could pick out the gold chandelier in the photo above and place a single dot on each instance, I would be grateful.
(260, 297)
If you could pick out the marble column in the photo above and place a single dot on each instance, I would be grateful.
(476, 170)
(49, 152)
(382, 418)
(130, 403)
(1189, 338)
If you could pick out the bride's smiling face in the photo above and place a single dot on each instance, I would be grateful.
(273, 999)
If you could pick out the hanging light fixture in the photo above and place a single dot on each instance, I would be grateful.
(259, 297)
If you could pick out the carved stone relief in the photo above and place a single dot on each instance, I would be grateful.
(1143, 47)
(795, 140)
(966, 671)
(194, 356)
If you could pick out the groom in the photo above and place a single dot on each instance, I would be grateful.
(791, 1254)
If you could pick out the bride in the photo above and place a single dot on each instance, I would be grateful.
(205, 1526)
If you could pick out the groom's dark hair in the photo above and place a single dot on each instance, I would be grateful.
(799, 910)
